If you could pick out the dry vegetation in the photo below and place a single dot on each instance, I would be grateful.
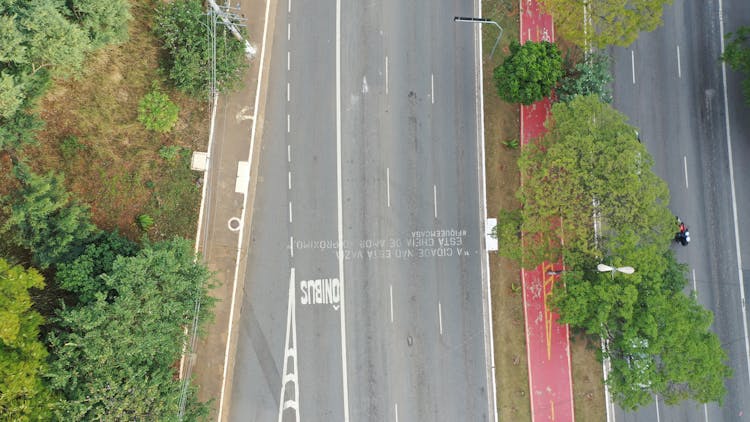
(109, 159)
(502, 124)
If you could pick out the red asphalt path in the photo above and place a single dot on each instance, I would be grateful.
(547, 342)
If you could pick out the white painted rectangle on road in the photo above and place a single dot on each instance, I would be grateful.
(243, 177)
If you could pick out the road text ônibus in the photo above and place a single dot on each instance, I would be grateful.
(320, 292)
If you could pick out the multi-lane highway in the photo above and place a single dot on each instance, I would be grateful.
(363, 296)
(672, 85)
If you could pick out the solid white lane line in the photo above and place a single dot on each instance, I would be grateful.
(289, 153)
(288, 60)
(388, 185)
(432, 88)
(386, 74)
(440, 317)
(340, 212)
(684, 164)
(632, 64)
(288, 124)
(705, 411)
(679, 66)
(290, 211)
(390, 289)
(244, 210)
(695, 286)
(734, 196)
(434, 198)
(291, 245)
(290, 180)
(288, 92)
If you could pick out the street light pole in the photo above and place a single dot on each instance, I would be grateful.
(606, 268)
(481, 20)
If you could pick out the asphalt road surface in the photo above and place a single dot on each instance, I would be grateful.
(670, 82)
(363, 293)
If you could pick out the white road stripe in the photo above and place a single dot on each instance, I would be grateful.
(695, 285)
(432, 88)
(390, 289)
(289, 7)
(734, 196)
(632, 64)
(434, 198)
(289, 153)
(656, 400)
(340, 212)
(388, 185)
(288, 92)
(684, 164)
(288, 60)
(291, 245)
(440, 317)
(679, 66)
(705, 411)
(288, 124)
(290, 211)
(395, 410)
(386, 74)
(290, 180)
(288, 31)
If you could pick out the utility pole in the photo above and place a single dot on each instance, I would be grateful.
(228, 18)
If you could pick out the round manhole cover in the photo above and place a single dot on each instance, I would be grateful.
(234, 224)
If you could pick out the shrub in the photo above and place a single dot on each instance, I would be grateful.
(157, 112)
(529, 73)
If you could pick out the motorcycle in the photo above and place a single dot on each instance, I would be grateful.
(683, 235)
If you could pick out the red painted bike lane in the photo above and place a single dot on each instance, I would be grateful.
(547, 342)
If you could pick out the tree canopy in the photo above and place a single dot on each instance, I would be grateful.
(529, 73)
(589, 164)
(737, 56)
(48, 37)
(23, 396)
(113, 356)
(609, 22)
(591, 76)
(182, 26)
(589, 181)
(45, 220)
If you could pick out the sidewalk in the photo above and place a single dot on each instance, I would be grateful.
(547, 342)
(226, 215)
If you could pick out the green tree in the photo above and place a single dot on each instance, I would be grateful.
(12, 47)
(83, 275)
(11, 95)
(157, 112)
(105, 21)
(46, 221)
(589, 164)
(50, 39)
(114, 356)
(737, 56)
(600, 23)
(529, 73)
(182, 27)
(588, 77)
(23, 396)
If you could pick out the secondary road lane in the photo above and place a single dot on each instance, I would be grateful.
(368, 207)
(670, 83)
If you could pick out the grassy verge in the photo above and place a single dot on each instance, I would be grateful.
(502, 124)
(110, 160)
